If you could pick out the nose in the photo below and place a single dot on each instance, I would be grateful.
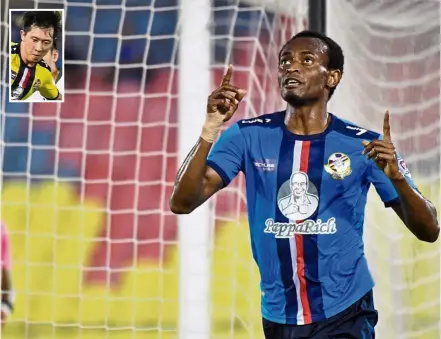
(295, 68)
(38, 46)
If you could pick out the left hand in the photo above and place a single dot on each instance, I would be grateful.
(383, 152)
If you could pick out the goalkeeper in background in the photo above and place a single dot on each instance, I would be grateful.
(308, 173)
(6, 285)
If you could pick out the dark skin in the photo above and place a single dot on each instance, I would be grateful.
(416, 212)
(304, 60)
(199, 181)
(6, 286)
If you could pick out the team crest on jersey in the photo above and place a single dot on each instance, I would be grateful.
(298, 200)
(37, 85)
(13, 75)
(17, 93)
(338, 166)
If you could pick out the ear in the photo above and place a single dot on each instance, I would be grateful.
(55, 56)
(22, 35)
(334, 77)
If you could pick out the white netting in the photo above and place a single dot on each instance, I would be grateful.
(392, 51)
(86, 183)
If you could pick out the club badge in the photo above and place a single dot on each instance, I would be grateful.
(37, 85)
(338, 166)
(17, 93)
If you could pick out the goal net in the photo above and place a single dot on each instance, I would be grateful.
(86, 183)
(392, 61)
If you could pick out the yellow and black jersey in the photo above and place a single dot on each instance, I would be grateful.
(27, 80)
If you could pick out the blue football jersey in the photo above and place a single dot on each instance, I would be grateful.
(306, 197)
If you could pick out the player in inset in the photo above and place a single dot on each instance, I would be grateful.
(29, 72)
(314, 284)
(51, 59)
(7, 300)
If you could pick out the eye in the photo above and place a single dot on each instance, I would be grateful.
(285, 62)
(308, 60)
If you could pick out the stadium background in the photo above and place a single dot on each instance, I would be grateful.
(86, 183)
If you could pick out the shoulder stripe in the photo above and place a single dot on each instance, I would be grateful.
(351, 130)
(265, 120)
(14, 48)
(43, 64)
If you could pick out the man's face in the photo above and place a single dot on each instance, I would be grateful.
(299, 185)
(302, 70)
(37, 42)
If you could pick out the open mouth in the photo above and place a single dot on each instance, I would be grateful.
(291, 83)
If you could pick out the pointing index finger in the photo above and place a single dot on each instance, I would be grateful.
(227, 77)
(386, 127)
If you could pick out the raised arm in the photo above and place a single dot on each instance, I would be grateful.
(195, 181)
(418, 214)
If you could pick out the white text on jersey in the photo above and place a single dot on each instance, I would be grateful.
(360, 130)
(287, 230)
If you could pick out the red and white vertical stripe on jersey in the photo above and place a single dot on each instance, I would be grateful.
(25, 77)
(300, 163)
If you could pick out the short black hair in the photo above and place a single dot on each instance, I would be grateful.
(335, 53)
(42, 19)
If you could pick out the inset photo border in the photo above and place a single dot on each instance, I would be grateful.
(36, 55)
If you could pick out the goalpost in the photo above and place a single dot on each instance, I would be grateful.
(194, 229)
(96, 251)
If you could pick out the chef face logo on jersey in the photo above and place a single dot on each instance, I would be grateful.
(338, 166)
(298, 200)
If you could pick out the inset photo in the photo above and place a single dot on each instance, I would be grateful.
(36, 55)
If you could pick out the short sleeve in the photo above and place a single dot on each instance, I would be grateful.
(48, 89)
(384, 186)
(227, 154)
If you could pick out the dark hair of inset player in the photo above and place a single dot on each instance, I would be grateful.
(42, 19)
(335, 53)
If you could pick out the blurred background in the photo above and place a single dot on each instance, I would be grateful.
(86, 183)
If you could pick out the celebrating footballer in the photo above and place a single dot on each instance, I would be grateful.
(308, 173)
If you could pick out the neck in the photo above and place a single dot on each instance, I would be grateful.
(25, 58)
(306, 120)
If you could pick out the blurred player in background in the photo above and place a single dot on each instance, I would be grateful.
(29, 72)
(51, 59)
(307, 178)
(6, 284)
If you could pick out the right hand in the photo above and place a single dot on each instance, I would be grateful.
(224, 101)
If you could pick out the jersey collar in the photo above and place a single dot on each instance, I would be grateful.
(289, 134)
